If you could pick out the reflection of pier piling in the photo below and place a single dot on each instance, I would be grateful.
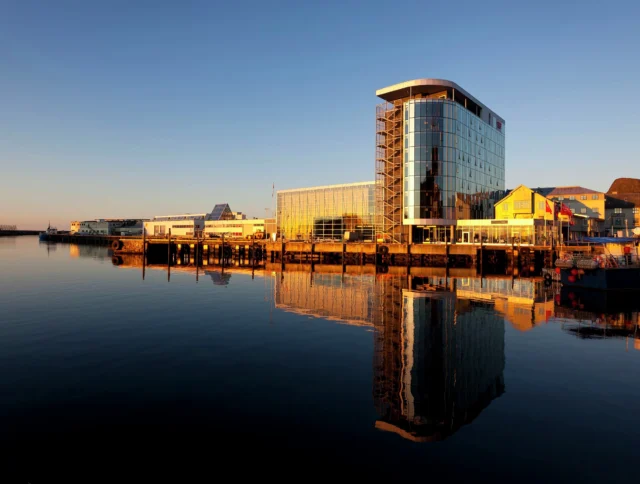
(175, 251)
(491, 259)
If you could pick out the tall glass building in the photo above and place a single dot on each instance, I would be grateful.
(327, 212)
(440, 157)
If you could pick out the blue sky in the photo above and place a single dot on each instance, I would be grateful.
(131, 109)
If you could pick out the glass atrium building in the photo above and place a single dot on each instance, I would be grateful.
(440, 157)
(327, 212)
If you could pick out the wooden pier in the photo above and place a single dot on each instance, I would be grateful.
(513, 259)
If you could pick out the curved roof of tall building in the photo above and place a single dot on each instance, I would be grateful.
(426, 86)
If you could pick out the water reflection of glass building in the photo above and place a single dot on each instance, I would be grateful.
(327, 212)
(440, 157)
(438, 367)
(438, 353)
(330, 296)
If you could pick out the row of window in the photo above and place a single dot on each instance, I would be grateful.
(448, 183)
(448, 109)
(582, 197)
(452, 141)
(443, 125)
(437, 153)
(434, 168)
(518, 205)
(584, 211)
(526, 205)
(619, 210)
(238, 226)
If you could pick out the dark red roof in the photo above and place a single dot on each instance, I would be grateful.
(627, 189)
(570, 191)
(624, 185)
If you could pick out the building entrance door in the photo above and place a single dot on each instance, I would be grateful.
(465, 237)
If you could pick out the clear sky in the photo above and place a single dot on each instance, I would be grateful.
(132, 109)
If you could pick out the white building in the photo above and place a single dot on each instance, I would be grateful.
(107, 227)
(187, 224)
(261, 228)
(220, 221)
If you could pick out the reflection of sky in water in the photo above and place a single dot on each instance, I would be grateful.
(88, 345)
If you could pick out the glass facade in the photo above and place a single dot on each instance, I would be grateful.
(221, 211)
(326, 213)
(507, 232)
(453, 162)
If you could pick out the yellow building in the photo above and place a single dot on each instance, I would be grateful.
(524, 203)
(588, 207)
(524, 216)
(579, 211)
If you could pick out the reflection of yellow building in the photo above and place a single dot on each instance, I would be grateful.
(525, 315)
(525, 303)
(522, 202)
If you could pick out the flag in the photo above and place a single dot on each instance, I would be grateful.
(564, 210)
(273, 189)
(548, 208)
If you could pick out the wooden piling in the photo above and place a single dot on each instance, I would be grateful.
(169, 257)
(253, 252)
(481, 258)
(513, 257)
(282, 253)
(144, 251)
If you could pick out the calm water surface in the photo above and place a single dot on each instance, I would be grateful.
(299, 375)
